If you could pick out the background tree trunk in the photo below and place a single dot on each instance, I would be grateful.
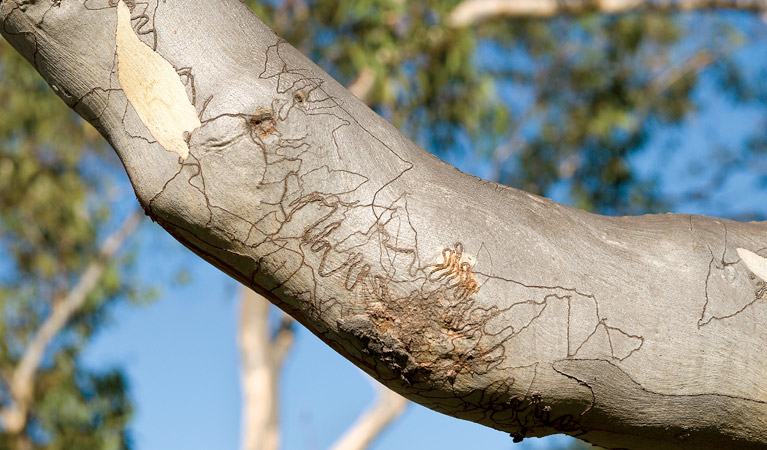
(476, 300)
(261, 357)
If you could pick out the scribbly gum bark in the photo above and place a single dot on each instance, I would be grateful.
(478, 301)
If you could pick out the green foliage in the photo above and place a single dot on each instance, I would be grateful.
(564, 102)
(596, 97)
(426, 82)
(77, 409)
(52, 165)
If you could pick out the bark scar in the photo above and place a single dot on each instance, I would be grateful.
(154, 88)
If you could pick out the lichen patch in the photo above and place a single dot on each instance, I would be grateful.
(755, 263)
(153, 88)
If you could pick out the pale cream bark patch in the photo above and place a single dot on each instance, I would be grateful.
(153, 88)
(755, 263)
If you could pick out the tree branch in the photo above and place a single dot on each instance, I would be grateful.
(362, 86)
(21, 388)
(473, 299)
(470, 12)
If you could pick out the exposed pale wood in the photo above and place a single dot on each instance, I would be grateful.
(153, 88)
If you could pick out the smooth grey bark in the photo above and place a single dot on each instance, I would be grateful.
(476, 300)
(262, 354)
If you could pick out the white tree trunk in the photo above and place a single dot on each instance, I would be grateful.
(470, 12)
(476, 300)
(260, 361)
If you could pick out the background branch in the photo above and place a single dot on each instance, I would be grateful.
(470, 12)
(21, 387)
(362, 86)
(388, 406)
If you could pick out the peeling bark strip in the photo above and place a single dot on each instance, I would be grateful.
(756, 264)
(294, 187)
(153, 88)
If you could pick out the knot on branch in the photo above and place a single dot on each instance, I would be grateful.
(262, 123)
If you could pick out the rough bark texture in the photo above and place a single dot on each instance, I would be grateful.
(262, 354)
(470, 12)
(476, 300)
